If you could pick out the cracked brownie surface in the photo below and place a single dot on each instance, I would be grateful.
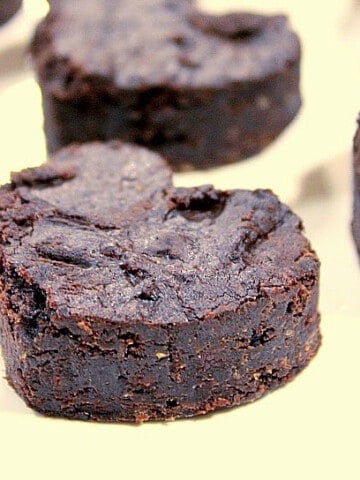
(129, 299)
(204, 90)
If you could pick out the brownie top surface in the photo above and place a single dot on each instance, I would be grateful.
(114, 239)
(166, 42)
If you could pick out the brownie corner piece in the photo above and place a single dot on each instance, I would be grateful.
(125, 300)
(203, 90)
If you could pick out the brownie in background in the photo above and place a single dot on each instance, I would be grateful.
(8, 8)
(202, 90)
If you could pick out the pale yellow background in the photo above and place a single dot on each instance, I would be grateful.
(308, 430)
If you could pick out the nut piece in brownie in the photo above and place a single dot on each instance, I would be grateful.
(124, 299)
(8, 8)
(203, 90)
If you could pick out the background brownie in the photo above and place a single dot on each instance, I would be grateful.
(203, 90)
(8, 8)
(356, 204)
(124, 299)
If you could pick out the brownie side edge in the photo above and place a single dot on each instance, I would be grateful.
(183, 126)
(139, 372)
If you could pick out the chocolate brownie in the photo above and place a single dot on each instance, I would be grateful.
(124, 299)
(203, 90)
(8, 8)
(356, 181)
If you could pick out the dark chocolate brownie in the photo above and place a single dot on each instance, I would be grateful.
(203, 90)
(8, 8)
(356, 203)
(124, 299)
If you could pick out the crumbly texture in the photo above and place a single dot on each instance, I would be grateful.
(8, 8)
(203, 90)
(356, 184)
(124, 299)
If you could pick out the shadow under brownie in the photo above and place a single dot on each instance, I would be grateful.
(356, 187)
(202, 90)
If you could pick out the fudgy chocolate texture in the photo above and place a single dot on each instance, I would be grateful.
(356, 182)
(129, 299)
(203, 90)
(8, 8)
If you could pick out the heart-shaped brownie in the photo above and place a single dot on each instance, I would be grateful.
(203, 90)
(125, 298)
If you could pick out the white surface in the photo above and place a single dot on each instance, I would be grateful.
(308, 430)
